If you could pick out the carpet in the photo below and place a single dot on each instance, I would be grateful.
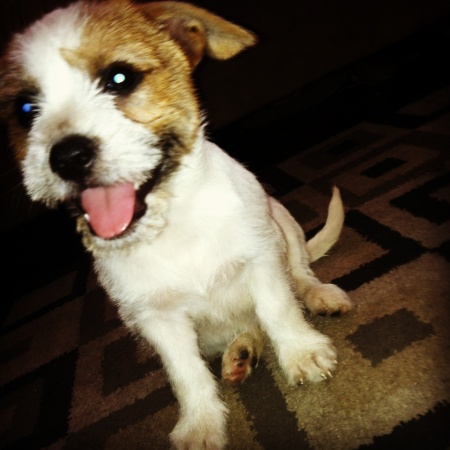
(73, 378)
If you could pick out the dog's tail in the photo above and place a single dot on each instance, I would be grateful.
(319, 245)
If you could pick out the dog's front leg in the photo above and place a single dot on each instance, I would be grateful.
(303, 352)
(202, 422)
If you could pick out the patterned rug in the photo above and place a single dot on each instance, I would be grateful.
(72, 377)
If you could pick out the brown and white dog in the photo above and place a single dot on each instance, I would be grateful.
(200, 261)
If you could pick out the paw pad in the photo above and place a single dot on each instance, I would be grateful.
(237, 365)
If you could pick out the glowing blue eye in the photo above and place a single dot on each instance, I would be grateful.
(27, 108)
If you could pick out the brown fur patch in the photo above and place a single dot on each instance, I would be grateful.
(164, 100)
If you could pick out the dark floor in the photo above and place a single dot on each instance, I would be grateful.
(373, 89)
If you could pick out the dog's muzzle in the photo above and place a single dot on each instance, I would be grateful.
(110, 210)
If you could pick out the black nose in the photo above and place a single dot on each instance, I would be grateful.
(72, 157)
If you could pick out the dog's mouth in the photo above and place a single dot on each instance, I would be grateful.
(111, 211)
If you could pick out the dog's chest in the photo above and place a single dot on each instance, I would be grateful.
(215, 297)
(192, 271)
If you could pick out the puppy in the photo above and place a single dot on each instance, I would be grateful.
(103, 117)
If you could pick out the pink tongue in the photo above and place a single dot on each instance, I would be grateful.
(110, 208)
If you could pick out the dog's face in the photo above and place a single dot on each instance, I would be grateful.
(100, 105)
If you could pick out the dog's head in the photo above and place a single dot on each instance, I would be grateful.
(100, 105)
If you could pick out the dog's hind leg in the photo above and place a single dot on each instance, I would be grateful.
(319, 298)
(242, 355)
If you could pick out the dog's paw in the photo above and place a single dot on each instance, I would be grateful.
(327, 299)
(201, 430)
(313, 360)
(238, 362)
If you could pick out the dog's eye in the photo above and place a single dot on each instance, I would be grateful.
(26, 110)
(121, 79)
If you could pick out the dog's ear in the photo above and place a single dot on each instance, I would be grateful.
(198, 31)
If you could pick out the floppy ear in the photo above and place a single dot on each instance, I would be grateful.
(198, 31)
